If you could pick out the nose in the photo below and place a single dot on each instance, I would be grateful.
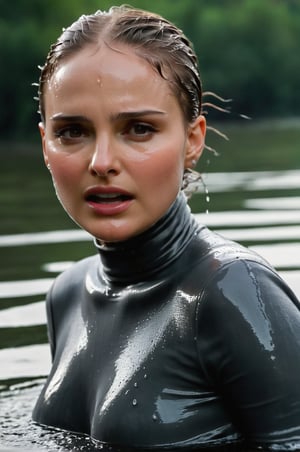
(104, 159)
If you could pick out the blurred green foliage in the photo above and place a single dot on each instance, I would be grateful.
(249, 50)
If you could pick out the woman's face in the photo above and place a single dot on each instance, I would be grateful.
(115, 141)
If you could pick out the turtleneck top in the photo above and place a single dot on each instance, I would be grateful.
(176, 339)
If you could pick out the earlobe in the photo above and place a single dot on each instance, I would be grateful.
(195, 141)
(42, 133)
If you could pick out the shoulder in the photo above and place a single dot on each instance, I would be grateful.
(62, 295)
(251, 280)
(75, 274)
(210, 253)
(67, 293)
(246, 305)
(241, 286)
(244, 281)
(224, 250)
(70, 281)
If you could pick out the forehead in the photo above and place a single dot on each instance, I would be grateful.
(105, 64)
(106, 79)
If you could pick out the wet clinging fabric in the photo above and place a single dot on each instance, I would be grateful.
(176, 338)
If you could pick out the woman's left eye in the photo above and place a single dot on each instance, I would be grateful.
(140, 130)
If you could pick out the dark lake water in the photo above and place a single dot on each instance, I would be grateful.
(259, 209)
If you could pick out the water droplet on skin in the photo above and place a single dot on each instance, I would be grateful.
(154, 417)
(135, 385)
(145, 376)
(134, 402)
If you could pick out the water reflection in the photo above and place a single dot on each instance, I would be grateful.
(23, 362)
(37, 238)
(253, 180)
(24, 288)
(28, 315)
(273, 232)
(283, 203)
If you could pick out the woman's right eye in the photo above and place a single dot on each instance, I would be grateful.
(70, 134)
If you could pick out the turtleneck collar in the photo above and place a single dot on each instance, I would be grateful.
(141, 257)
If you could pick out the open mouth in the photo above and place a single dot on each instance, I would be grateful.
(108, 198)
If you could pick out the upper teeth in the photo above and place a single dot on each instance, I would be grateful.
(107, 195)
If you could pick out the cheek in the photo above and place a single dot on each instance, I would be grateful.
(165, 169)
(64, 172)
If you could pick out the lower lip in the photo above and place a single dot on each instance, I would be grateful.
(109, 208)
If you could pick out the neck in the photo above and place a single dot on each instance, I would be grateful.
(147, 254)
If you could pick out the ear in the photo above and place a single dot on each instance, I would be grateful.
(43, 138)
(195, 142)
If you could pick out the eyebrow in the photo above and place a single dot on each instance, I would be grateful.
(136, 114)
(69, 118)
(114, 117)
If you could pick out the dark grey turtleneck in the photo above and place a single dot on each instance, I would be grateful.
(175, 339)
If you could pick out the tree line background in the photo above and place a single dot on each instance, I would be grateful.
(248, 50)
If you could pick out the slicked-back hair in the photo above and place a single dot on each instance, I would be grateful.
(163, 45)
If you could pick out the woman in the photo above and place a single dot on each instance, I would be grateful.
(171, 336)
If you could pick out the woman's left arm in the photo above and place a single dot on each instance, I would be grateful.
(249, 336)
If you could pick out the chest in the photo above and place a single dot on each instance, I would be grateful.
(127, 370)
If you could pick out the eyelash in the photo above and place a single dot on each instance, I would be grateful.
(148, 129)
(61, 132)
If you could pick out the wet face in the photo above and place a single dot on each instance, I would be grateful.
(115, 141)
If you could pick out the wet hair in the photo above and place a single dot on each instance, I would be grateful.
(158, 41)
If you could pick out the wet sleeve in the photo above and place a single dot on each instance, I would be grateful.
(249, 345)
(50, 322)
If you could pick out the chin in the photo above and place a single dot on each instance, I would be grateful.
(111, 237)
(115, 231)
